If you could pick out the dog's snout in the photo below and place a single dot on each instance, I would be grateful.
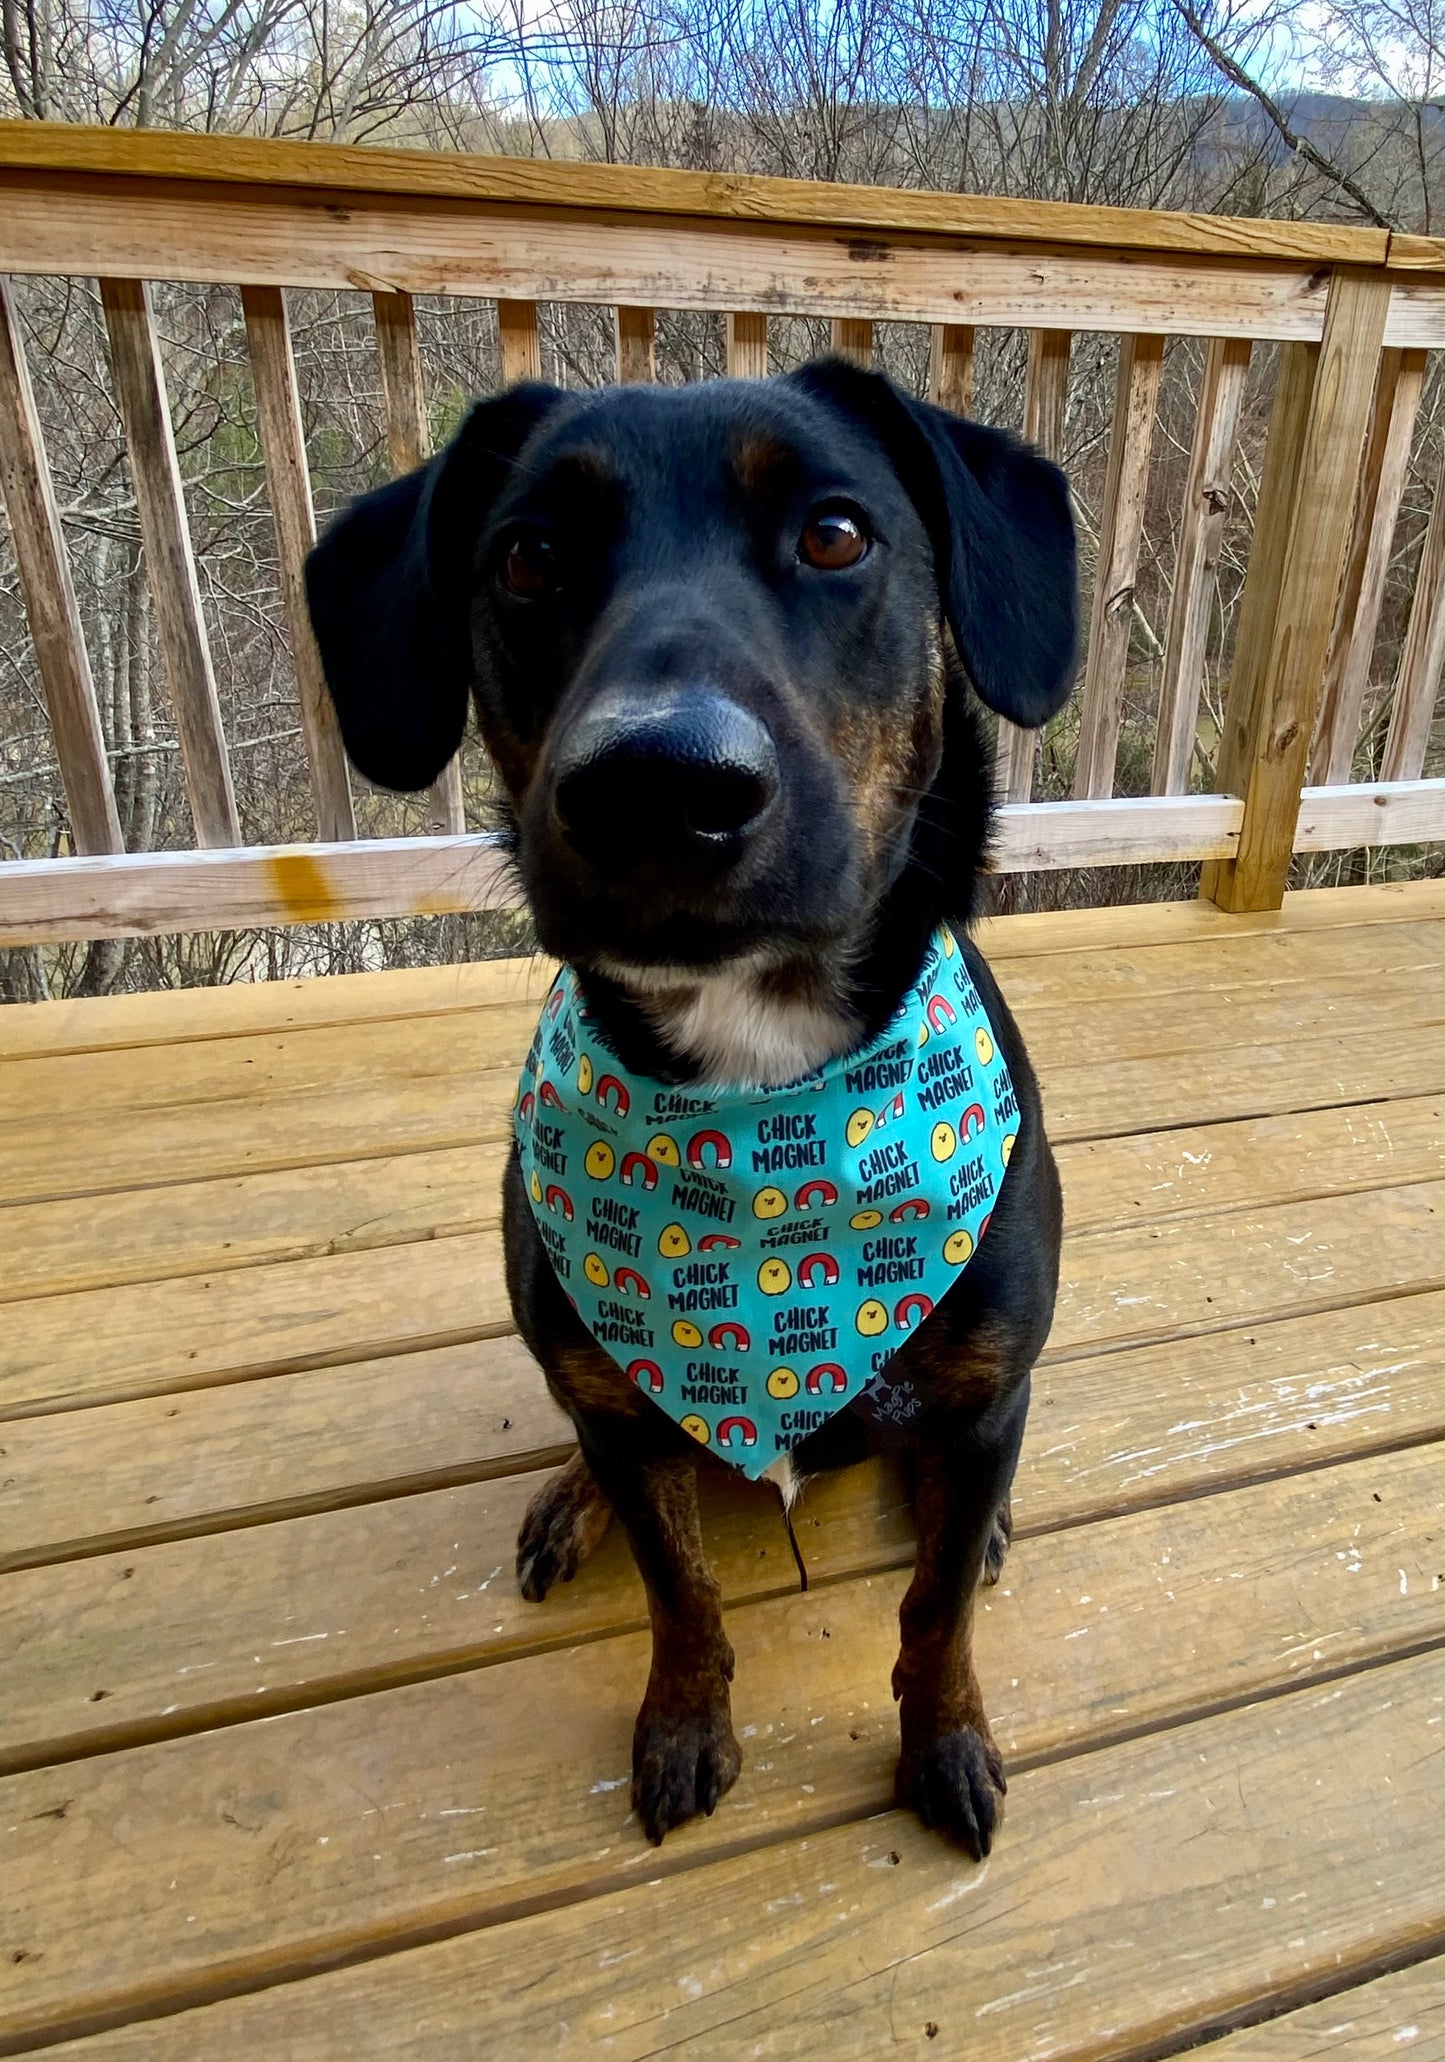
(672, 774)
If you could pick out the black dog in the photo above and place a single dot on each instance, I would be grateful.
(720, 640)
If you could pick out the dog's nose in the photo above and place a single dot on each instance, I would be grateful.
(673, 774)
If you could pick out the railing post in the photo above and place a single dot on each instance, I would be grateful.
(170, 563)
(50, 604)
(1301, 534)
(409, 441)
(1046, 401)
(283, 447)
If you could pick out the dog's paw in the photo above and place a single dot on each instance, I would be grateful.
(682, 1763)
(564, 1522)
(956, 1785)
(996, 1552)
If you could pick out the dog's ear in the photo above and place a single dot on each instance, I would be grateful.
(389, 590)
(1002, 530)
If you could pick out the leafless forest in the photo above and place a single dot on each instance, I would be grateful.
(1148, 103)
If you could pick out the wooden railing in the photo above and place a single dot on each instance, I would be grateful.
(1355, 312)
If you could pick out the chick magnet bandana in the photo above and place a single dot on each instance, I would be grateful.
(753, 1258)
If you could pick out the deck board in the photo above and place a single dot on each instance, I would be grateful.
(1129, 1907)
(1094, 1634)
(258, 1384)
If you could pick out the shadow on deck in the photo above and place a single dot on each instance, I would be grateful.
(272, 1707)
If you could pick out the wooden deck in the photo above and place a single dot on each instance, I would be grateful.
(286, 1754)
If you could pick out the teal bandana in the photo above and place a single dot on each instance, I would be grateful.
(753, 1258)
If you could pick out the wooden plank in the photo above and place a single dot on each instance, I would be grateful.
(1401, 2013)
(1416, 320)
(161, 505)
(1208, 1167)
(1135, 1024)
(636, 345)
(177, 1015)
(317, 1434)
(1417, 681)
(1046, 395)
(285, 1446)
(1362, 588)
(1114, 831)
(1310, 489)
(1199, 1275)
(50, 605)
(1201, 531)
(137, 895)
(230, 1326)
(1150, 1424)
(123, 155)
(211, 1072)
(288, 482)
(132, 229)
(950, 367)
(747, 346)
(309, 1116)
(1112, 1433)
(1309, 997)
(519, 340)
(1161, 1280)
(853, 339)
(240, 1640)
(1264, 961)
(144, 894)
(1130, 1431)
(1140, 923)
(145, 1235)
(1103, 1099)
(409, 442)
(1403, 812)
(1121, 527)
(846, 1939)
(1128, 1655)
(48, 1156)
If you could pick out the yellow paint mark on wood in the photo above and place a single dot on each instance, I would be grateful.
(302, 884)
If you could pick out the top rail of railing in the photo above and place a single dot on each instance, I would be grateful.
(1356, 311)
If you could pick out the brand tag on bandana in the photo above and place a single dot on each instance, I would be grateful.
(753, 1258)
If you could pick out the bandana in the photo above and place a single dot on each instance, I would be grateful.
(753, 1258)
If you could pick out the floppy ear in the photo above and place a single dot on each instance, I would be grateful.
(1002, 530)
(389, 590)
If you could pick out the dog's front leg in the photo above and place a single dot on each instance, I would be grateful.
(684, 1755)
(950, 1771)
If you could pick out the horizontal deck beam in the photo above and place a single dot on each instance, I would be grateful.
(143, 894)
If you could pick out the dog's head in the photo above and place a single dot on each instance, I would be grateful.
(714, 636)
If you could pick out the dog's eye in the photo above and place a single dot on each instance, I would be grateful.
(530, 567)
(832, 540)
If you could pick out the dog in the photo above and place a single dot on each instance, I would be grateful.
(724, 643)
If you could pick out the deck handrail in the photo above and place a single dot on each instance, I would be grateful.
(1355, 311)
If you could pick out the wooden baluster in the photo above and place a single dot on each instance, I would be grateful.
(1121, 527)
(950, 366)
(520, 341)
(636, 340)
(1046, 395)
(409, 441)
(853, 339)
(44, 569)
(1362, 590)
(747, 346)
(1418, 681)
(1206, 505)
(1301, 533)
(278, 412)
(160, 502)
